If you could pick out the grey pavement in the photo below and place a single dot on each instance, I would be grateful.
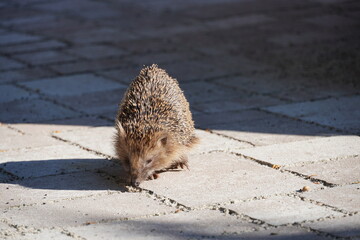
(275, 94)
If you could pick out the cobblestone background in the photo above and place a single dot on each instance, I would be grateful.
(274, 90)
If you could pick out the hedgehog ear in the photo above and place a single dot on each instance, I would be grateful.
(163, 139)
(120, 128)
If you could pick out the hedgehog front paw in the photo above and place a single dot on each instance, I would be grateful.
(153, 176)
(182, 163)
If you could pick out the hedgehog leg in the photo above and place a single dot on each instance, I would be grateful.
(182, 163)
(153, 176)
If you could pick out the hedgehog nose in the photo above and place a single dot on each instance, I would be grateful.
(135, 183)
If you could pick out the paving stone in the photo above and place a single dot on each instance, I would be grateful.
(96, 102)
(50, 160)
(216, 177)
(331, 21)
(24, 74)
(34, 46)
(207, 120)
(7, 63)
(347, 197)
(89, 66)
(5, 177)
(86, 210)
(199, 92)
(306, 151)
(340, 113)
(281, 210)
(339, 171)
(80, 8)
(7, 232)
(197, 224)
(125, 75)
(96, 51)
(213, 142)
(237, 21)
(283, 233)
(33, 110)
(288, 88)
(55, 188)
(49, 127)
(190, 71)
(100, 35)
(73, 85)
(36, 19)
(24, 234)
(44, 57)
(262, 128)
(287, 40)
(139, 61)
(97, 138)
(342, 227)
(11, 92)
(8, 38)
(242, 102)
(16, 140)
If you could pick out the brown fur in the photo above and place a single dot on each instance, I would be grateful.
(154, 125)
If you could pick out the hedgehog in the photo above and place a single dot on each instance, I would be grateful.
(154, 126)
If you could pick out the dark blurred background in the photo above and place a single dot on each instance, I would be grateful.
(233, 59)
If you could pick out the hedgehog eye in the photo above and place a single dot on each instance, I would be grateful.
(148, 161)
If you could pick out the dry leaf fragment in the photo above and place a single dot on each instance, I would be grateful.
(276, 166)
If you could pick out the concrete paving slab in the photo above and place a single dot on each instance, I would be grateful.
(125, 75)
(22, 233)
(11, 93)
(15, 140)
(207, 120)
(280, 233)
(96, 51)
(266, 129)
(80, 211)
(50, 160)
(216, 177)
(96, 102)
(8, 38)
(279, 210)
(212, 142)
(290, 89)
(306, 151)
(226, 227)
(347, 197)
(43, 190)
(33, 46)
(73, 85)
(25, 74)
(7, 63)
(44, 57)
(34, 110)
(199, 224)
(348, 226)
(339, 171)
(49, 127)
(99, 139)
(5, 177)
(331, 20)
(242, 102)
(340, 113)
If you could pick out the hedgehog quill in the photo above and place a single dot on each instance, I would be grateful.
(154, 126)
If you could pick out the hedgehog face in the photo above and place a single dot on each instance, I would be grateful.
(150, 157)
(141, 158)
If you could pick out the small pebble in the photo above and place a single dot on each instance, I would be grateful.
(305, 189)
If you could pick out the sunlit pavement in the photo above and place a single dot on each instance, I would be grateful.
(274, 91)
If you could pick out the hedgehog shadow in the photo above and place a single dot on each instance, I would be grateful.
(66, 174)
